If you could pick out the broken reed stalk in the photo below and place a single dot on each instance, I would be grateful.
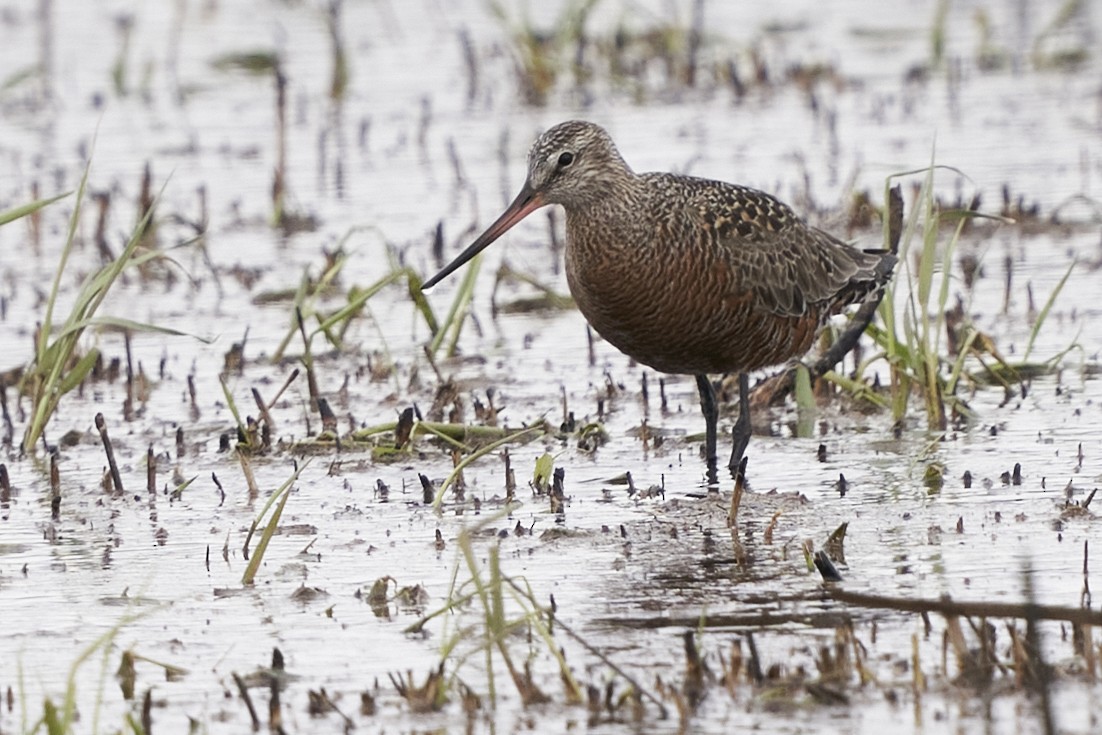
(116, 478)
(428, 697)
(262, 409)
(279, 178)
(127, 675)
(918, 679)
(275, 680)
(308, 361)
(150, 471)
(5, 484)
(339, 79)
(275, 399)
(55, 487)
(510, 480)
(147, 712)
(328, 419)
(146, 202)
(693, 686)
(243, 690)
(5, 415)
(247, 472)
(103, 201)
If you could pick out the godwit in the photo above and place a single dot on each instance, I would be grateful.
(683, 274)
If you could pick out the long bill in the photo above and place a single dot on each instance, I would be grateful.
(527, 201)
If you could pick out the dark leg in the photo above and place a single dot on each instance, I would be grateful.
(711, 415)
(741, 433)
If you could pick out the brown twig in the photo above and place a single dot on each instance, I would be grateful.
(262, 408)
(980, 609)
(243, 690)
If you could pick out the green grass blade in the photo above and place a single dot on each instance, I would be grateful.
(101, 284)
(281, 494)
(79, 372)
(1039, 322)
(414, 281)
(356, 303)
(123, 324)
(453, 322)
(262, 546)
(55, 288)
(439, 497)
(258, 62)
(24, 209)
(232, 404)
(47, 377)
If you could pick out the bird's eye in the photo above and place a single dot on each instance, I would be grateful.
(565, 159)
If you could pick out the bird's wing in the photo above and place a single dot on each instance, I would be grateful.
(788, 267)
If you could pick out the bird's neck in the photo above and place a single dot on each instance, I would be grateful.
(602, 226)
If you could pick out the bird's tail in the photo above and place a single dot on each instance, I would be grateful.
(885, 266)
(869, 281)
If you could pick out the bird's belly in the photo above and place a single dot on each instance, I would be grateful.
(678, 319)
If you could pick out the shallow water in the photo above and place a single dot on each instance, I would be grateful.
(631, 575)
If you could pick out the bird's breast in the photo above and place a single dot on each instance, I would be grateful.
(668, 300)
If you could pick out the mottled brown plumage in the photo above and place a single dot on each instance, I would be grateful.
(687, 275)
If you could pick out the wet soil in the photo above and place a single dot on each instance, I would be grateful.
(431, 130)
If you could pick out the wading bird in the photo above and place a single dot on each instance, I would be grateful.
(684, 274)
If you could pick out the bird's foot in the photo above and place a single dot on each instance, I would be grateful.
(740, 439)
(738, 471)
(713, 476)
(740, 434)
